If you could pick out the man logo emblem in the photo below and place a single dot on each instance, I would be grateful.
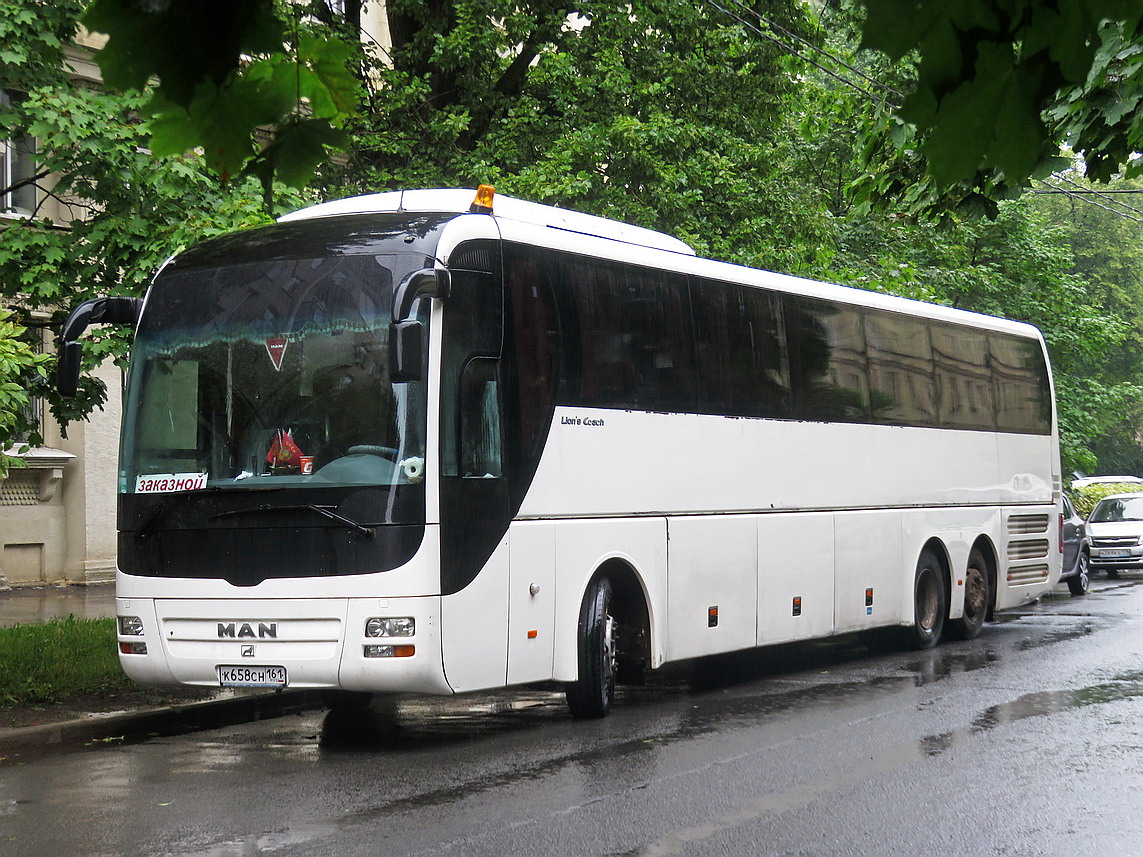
(247, 651)
(237, 631)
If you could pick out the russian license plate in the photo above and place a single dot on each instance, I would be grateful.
(1114, 552)
(249, 676)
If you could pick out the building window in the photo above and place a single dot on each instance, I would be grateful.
(17, 167)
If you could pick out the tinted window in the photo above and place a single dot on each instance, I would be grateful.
(827, 360)
(740, 352)
(634, 337)
(900, 369)
(473, 328)
(964, 379)
(1020, 382)
(531, 334)
(645, 339)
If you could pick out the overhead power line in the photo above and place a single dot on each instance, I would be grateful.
(790, 49)
(1097, 193)
(1084, 195)
(775, 26)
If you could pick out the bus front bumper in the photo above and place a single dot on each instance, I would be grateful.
(301, 643)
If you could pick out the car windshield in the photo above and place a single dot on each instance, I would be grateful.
(1114, 509)
(271, 374)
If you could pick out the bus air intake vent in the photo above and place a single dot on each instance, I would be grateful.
(1022, 524)
(1028, 574)
(1028, 549)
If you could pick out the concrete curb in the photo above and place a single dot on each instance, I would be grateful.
(153, 722)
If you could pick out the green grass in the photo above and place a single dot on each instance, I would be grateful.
(59, 660)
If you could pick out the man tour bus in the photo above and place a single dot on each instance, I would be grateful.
(412, 442)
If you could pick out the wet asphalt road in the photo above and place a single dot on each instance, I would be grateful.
(1026, 741)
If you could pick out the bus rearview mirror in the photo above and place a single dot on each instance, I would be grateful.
(405, 346)
(113, 310)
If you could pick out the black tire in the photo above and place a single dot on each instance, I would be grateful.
(1080, 582)
(977, 598)
(1113, 574)
(591, 695)
(930, 602)
(346, 701)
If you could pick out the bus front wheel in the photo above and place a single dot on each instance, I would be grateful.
(591, 695)
(930, 603)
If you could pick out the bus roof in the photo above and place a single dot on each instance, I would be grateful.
(506, 207)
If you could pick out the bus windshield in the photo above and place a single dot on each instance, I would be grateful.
(269, 374)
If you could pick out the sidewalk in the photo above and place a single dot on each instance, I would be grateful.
(37, 604)
(30, 605)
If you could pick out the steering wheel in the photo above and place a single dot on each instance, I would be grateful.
(387, 452)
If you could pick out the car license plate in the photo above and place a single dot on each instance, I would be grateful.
(250, 676)
(1114, 552)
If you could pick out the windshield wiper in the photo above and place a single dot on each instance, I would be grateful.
(145, 531)
(326, 511)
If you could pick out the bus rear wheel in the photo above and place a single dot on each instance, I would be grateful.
(930, 603)
(977, 598)
(591, 695)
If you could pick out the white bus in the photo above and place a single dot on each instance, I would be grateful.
(411, 442)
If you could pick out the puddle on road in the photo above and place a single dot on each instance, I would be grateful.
(1126, 686)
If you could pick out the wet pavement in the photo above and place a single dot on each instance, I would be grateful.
(1024, 742)
(31, 605)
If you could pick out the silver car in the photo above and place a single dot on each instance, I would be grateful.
(1115, 527)
(1077, 550)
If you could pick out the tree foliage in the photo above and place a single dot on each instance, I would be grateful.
(663, 113)
(1000, 86)
(227, 69)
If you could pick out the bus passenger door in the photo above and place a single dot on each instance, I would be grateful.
(531, 601)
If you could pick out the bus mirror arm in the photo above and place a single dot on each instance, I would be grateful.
(427, 282)
(407, 340)
(113, 310)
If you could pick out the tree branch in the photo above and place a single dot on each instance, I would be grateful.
(30, 180)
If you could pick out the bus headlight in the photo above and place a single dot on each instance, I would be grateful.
(130, 626)
(389, 627)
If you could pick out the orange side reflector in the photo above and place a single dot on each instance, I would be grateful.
(533, 634)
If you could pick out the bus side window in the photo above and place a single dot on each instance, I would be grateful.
(480, 432)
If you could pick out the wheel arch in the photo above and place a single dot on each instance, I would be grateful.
(940, 550)
(630, 602)
(992, 563)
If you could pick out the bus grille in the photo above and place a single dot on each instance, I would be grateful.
(1028, 573)
(1019, 525)
(1027, 549)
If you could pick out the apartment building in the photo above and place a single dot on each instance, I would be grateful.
(57, 515)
